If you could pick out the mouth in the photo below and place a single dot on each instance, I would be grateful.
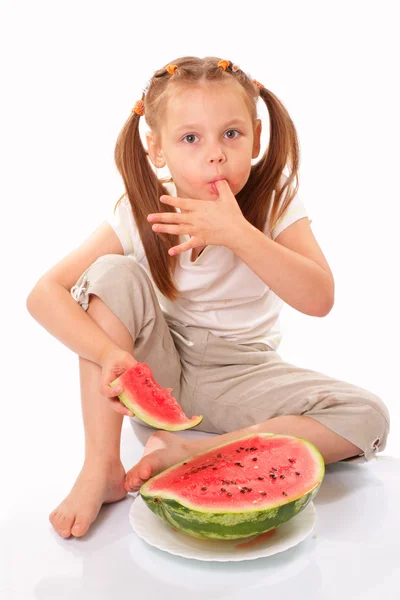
(212, 183)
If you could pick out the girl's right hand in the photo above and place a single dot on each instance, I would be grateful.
(113, 365)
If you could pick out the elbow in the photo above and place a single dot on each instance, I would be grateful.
(326, 303)
(324, 309)
(31, 300)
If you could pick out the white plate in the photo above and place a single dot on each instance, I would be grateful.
(156, 532)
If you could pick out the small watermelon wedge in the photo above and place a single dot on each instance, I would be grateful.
(241, 488)
(150, 402)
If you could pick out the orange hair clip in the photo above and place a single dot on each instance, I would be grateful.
(224, 64)
(139, 108)
(171, 69)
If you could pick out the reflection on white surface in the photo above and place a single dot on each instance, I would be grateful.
(353, 556)
(153, 530)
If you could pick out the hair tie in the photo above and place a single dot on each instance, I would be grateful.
(224, 64)
(258, 84)
(138, 108)
(171, 69)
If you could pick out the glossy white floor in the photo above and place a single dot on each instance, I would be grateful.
(352, 553)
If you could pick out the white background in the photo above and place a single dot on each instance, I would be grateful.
(71, 72)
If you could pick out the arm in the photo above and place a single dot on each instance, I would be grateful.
(51, 304)
(292, 265)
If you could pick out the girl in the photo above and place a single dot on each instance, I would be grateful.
(189, 276)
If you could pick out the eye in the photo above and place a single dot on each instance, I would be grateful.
(235, 130)
(192, 135)
(189, 135)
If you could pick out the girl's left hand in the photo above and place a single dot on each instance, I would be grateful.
(209, 222)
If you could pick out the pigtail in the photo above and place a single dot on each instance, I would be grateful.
(143, 190)
(268, 192)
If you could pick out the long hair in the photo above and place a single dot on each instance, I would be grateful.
(256, 200)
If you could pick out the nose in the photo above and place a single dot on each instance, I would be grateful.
(216, 155)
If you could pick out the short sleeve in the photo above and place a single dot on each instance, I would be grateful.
(123, 223)
(295, 211)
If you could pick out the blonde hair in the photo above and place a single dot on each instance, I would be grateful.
(256, 199)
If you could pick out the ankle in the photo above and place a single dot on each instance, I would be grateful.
(105, 462)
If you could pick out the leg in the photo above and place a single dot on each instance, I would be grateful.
(156, 458)
(252, 391)
(102, 475)
(118, 295)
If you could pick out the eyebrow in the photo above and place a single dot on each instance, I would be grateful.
(197, 125)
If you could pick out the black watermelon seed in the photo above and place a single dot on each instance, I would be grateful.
(273, 468)
(284, 493)
(242, 447)
(272, 475)
(237, 450)
(282, 476)
(297, 473)
(249, 489)
(263, 493)
(214, 468)
(223, 490)
(260, 478)
(291, 460)
(239, 464)
(185, 463)
(242, 491)
(229, 494)
(219, 455)
(255, 458)
(204, 488)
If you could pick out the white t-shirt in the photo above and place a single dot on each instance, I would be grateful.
(217, 291)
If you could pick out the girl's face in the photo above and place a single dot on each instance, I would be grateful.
(207, 133)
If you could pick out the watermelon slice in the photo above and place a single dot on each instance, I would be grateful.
(239, 489)
(150, 402)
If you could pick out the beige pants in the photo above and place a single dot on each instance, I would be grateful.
(232, 385)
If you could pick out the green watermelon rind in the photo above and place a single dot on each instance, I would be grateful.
(149, 419)
(233, 524)
(224, 526)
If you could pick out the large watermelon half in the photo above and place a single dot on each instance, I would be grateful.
(150, 402)
(239, 489)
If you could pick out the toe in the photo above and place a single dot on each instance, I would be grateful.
(149, 466)
(80, 527)
(62, 524)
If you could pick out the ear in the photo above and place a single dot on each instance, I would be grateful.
(257, 139)
(156, 154)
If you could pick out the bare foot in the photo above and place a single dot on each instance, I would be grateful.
(96, 484)
(162, 450)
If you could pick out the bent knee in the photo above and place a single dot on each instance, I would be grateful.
(378, 421)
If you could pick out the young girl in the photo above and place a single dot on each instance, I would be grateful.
(190, 277)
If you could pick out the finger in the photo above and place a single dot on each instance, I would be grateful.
(177, 229)
(111, 392)
(222, 186)
(171, 217)
(185, 203)
(181, 248)
(121, 408)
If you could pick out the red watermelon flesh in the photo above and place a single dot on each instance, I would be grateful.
(225, 470)
(241, 488)
(150, 402)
